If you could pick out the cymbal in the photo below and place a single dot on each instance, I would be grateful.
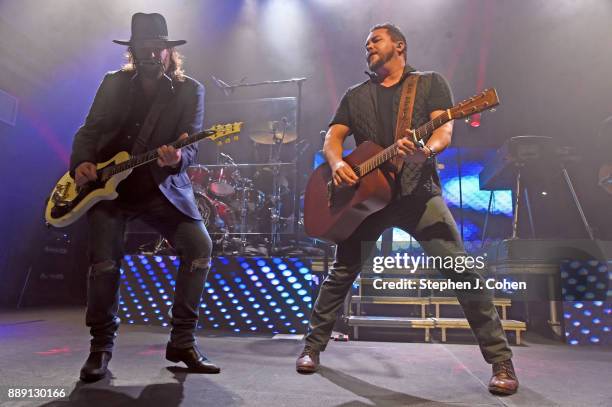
(267, 136)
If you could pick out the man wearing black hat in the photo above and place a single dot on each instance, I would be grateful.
(147, 104)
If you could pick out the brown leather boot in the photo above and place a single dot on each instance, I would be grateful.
(308, 361)
(504, 379)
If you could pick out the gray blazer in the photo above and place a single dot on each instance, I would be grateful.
(184, 113)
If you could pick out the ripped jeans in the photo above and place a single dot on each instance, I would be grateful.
(107, 221)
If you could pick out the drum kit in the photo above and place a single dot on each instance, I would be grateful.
(248, 205)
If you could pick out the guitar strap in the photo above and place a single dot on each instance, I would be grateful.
(404, 113)
(142, 140)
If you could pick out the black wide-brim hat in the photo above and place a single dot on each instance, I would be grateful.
(149, 30)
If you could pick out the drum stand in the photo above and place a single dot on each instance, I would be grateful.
(275, 211)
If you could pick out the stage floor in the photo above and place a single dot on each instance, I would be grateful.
(46, 347)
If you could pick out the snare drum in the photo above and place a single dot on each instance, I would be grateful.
(222, 181)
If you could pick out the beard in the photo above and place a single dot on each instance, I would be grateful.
(378, 60)
(150, 68)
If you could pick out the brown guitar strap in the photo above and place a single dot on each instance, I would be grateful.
(404, 113)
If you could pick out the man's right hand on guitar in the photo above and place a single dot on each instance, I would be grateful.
(342, 173)
(84, 173)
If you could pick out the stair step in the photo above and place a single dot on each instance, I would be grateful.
(361, 320)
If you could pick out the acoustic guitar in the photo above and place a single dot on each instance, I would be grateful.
(334, 212)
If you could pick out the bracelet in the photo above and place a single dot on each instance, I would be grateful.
(432, 153)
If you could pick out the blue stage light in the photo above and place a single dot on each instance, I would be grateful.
(265, 269)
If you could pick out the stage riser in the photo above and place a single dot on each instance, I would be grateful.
(257, 295)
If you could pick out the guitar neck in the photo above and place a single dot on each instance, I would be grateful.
(391, 152)
(152, 155)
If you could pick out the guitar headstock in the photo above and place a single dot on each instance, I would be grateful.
(487, 99)
(223, 130)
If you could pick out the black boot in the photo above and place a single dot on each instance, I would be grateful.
(95, 366)
(192, 357)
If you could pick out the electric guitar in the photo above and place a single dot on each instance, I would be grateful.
(68, 202)
(334, 212)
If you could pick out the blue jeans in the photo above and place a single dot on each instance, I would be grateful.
(107, 221)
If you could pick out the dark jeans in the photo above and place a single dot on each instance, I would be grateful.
(107, 221)
(431, 223)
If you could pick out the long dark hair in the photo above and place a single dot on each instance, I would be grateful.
(175, 70)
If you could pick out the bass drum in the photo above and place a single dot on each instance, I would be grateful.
(217, 216)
